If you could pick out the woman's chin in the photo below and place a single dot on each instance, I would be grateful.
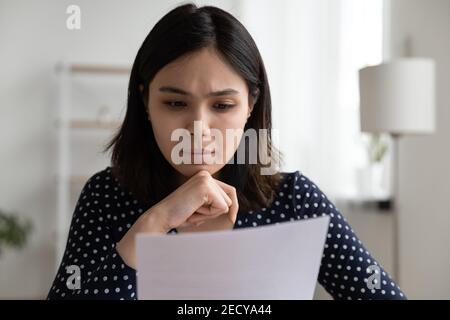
(189, 170)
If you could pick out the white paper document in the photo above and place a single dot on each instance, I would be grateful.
(278, 261)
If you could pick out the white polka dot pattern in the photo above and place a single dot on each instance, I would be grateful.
(104, 212)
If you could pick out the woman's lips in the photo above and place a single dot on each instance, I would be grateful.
(202, 152)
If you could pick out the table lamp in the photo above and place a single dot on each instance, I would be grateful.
(398, 98)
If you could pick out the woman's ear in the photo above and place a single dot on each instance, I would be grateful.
(250, 109)
(141, 90)
(252, 101)
(144, 99)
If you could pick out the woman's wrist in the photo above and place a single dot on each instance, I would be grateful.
(157, 220)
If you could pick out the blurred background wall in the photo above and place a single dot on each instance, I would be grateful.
(425, 165)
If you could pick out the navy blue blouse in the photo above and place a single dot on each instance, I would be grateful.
(105, 211)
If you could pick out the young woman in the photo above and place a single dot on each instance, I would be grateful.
(197, 65)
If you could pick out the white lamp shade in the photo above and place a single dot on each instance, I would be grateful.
(398, 97)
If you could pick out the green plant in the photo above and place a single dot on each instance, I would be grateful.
(376, 148)
(13, 231)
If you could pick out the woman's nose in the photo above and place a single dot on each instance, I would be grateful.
(199, 123)
(199, 128)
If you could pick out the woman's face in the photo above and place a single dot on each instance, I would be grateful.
(198, 87)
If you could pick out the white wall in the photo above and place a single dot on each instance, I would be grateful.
(424, 202)
(33, 37)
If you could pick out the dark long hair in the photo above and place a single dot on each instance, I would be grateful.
(136, 159)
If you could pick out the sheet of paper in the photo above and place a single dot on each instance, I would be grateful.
(279, 261)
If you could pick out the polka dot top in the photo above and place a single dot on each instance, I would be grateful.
(105, 211)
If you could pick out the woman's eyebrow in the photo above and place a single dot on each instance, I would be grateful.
(224, 92)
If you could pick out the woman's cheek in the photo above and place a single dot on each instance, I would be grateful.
(162, 137)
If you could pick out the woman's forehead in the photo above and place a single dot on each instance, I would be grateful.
(200, 72)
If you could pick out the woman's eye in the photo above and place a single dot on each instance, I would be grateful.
(175, 104)
(180, 104)
(223, 106)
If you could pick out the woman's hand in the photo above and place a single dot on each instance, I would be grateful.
(197, 200)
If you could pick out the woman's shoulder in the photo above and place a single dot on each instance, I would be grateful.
(103, 174)
(296, 197)
(104, 190)
(104, 182)
(297, 180)
(295, 186)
